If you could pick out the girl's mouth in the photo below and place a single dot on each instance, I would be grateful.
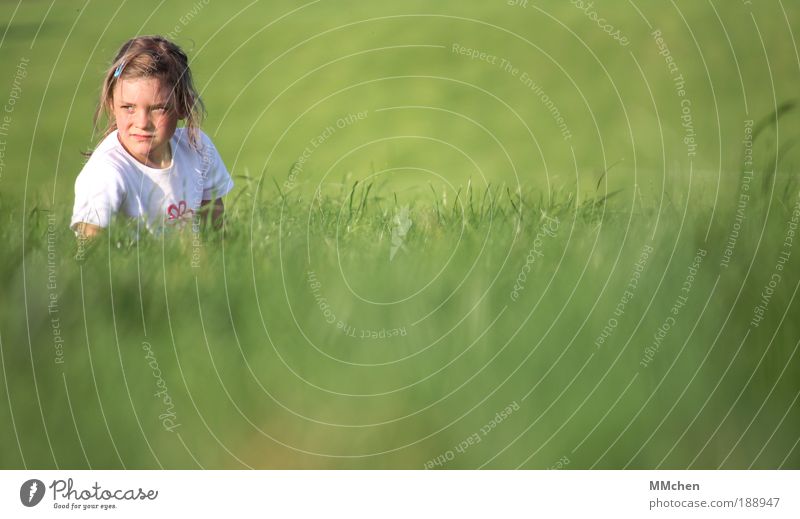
(141, 138)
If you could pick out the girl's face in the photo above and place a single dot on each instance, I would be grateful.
(146, 119)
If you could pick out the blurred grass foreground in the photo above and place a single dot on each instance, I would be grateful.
(419, 267)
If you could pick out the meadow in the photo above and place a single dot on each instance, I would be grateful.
(463, 235)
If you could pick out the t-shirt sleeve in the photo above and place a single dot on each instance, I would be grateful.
(217, 181)
(99, 193)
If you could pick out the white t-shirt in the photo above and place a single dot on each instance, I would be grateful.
(112, 182)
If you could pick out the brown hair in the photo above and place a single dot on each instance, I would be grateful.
(154, 56)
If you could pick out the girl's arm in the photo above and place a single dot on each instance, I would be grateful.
(216, 211)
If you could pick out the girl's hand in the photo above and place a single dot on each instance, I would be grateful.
(87, 230)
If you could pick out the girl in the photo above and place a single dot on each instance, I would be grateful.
(145, 167)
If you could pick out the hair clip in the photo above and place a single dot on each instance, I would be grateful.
(118, 72)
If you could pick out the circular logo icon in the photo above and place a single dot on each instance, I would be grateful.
(31, 492)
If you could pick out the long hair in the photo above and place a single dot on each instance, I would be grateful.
(153, 57)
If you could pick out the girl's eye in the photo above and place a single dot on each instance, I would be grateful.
(128, 109)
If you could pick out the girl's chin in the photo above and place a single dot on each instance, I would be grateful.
(145, 146)
(140, 150)
(139, 142)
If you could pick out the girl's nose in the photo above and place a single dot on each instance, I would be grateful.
(142, 119)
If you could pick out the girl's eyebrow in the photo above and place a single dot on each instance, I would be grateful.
(156, 105)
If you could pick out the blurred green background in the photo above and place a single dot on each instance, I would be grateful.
(301, 340)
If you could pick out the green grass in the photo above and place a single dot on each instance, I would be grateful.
(297, 339)
(260, 378)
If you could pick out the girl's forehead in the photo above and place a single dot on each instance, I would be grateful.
(143, 89)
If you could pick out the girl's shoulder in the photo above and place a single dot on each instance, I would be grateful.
(204, 151)
(181, 137)
(110, 152)
(108, 163)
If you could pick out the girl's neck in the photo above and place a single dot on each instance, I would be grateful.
(160, 162)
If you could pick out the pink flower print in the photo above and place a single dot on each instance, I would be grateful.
(179, 215)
